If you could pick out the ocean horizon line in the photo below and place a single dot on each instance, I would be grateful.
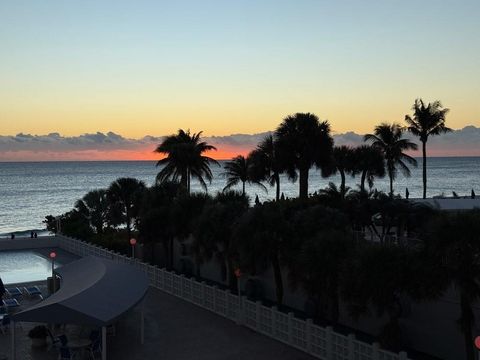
(223, 159)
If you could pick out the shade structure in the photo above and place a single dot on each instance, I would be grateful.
(93, 291)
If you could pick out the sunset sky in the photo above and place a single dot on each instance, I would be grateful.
(138, 68)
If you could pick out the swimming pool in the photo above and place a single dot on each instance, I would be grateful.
(24, 266)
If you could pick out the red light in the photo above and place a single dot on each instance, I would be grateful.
(53, 255)
(133, 241)
(477, 342)
(238, 273)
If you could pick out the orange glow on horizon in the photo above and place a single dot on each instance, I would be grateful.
(223, 153)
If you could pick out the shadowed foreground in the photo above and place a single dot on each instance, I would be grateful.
(174, 329)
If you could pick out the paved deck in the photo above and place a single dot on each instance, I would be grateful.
(174, 330)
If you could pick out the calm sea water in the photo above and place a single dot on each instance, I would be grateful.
(30, 191)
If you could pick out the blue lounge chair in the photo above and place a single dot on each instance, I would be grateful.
(12, 292)
(33, 291)
(11, 303)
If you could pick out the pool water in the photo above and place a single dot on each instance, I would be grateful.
(24, 266)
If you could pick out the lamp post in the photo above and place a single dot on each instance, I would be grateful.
(238, 275)
(53, 255)
(133, 242)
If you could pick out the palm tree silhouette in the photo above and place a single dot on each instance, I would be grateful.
(125, 196)
(344, 163)
(185, 159)
(265, 163)
(369, 162)
(426, 120)
(453, 242)
(388, 139)
(304, 141)
(94, 206)
(239, 170)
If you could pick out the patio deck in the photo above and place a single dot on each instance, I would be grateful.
(174, 329)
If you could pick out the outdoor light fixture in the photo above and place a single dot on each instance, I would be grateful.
(53, 255)
(477, 342)
(133, 242)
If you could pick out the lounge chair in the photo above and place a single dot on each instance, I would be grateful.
(11, 303)
(12, 292)
(33, 291)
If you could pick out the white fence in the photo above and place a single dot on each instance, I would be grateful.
(321, 342)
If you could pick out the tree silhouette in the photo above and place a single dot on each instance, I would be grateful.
(369, 162)
(455, 243)
(427, 120)
(304, 142)
(213, 231)
(388, 139)
(261, 239)
(125, 197)
(266, 163)
(343, 163)
(94, 206)
(185, 159)
(239, 170)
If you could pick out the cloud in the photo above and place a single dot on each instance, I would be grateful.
(112, 146)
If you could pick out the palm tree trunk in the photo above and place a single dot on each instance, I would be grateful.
(362, 181)
(466, 322)
(243, 188)
(277, 181)
(277, 273)
(424, 153)
(128, 220)
(342, 185)
(303, 183)
(390, 175)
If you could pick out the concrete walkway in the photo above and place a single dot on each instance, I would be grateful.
(178, 330)
(174, 330)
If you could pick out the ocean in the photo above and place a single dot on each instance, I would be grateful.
(29, 191)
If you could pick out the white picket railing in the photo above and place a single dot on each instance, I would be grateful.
(321, 342)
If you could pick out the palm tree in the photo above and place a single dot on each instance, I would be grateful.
(388, 139)
(95, 207)
(266, 166)
(261, 239)
(343, 162)
(332, 194)
(319, 268)
(369, 162)
(125, 197)
(304, 142)
(239, 170)
(212, 234)
(426, 120)
(185, 159)
(453, 242)
(156, 219)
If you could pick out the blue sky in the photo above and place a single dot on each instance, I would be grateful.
(150, 67)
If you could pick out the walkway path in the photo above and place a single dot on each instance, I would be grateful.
(174, 330)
